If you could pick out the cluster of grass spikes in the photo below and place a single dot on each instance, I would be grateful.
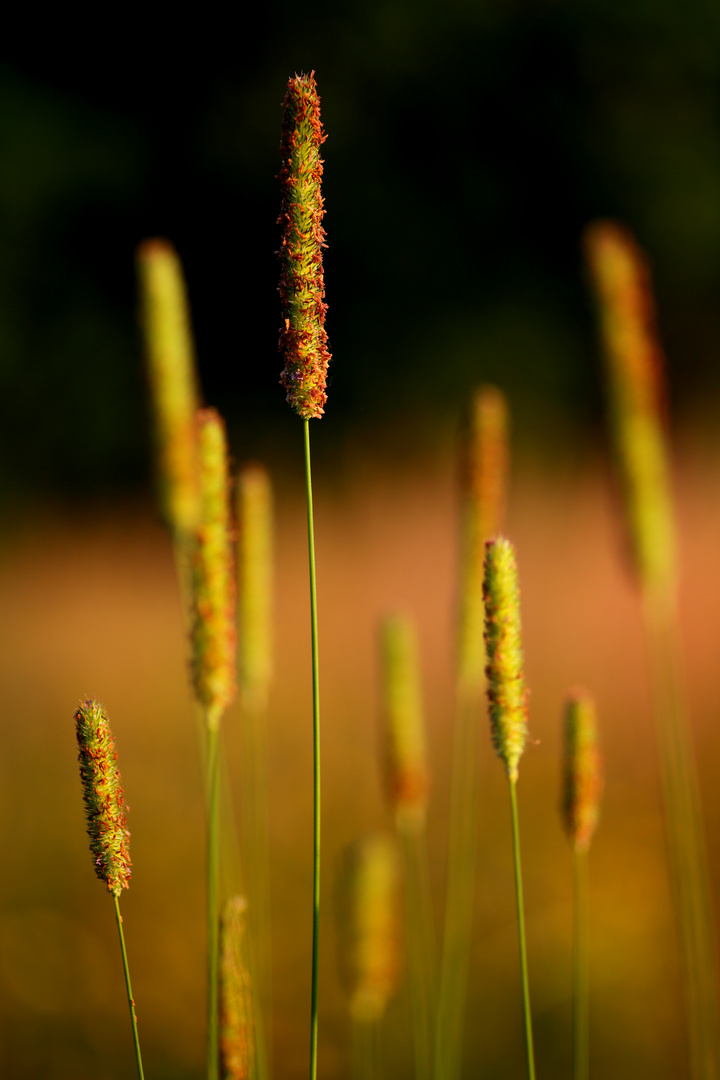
(221, 530)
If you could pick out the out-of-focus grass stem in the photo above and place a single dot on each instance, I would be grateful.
(581, 966)
(527, 1014)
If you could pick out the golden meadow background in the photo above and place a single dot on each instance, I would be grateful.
(468, 147)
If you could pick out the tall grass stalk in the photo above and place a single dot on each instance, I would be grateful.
(507, 697)
(636, 389)
(303, 341)
(580, 967)
(484, 469)
(128, 990)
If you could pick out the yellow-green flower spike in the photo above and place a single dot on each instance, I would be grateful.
(484, 489)
(302, 288)
(173, 386)
(214, 633)
(582, 770)
(370, 927)
(103, 796)
(507, 693)
(635, 375)
(255, 564)
(237, 1027)
(406, 762)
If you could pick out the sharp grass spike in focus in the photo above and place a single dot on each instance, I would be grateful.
(169, 349)
(582, 770)
(303, 340)
(214, 634)
(507, 692)
(103, 797)
(106, 823)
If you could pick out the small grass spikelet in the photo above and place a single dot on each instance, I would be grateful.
(165, 319)
(485, 465)
(507, 693)
(303, 340)
(103, 796)
(636, 388)
(582, 770)
(404, 731)
(237, 1029)
(213, 579)
(369, 923)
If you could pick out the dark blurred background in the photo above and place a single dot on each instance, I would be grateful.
(468, 145)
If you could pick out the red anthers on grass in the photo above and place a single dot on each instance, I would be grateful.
(302, 289)
(103, 797)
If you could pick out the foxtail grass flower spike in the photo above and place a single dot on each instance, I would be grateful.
(254, 515)
(484, 490)
(507, 693)
(406, 759)
(582, 770)
(303, 340)
(237, 1028)
(169, 349)
(103, 797)
(213, 618)
(370, 927)
(636, 387)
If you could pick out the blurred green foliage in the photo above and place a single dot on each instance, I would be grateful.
(469, 143)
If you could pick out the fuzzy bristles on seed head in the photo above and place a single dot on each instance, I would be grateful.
(255, 559)
(507, 693)
(582, 770)
(636, 387)
(103, 796)
(404, 729)
(213, 629)
(237, 1027)
(369, 924)
(169, 350)
(484, 487)
(302, 288)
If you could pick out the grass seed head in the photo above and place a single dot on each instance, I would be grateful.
(369, 925)
(582, 770)
(214, 633)
(237, 1026)
(103, 796)
(484, 490)
(636, 387)
(255, 565)
(302, 288)
(404, 728)
(169, 349)
(507, 693)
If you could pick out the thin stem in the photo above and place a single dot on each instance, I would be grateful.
(128, 988)
(421, 948)
(581, 967)
(213, 911)
(316, 760)
(521, 934)
(365, 1050)
(685, 835)
(460, 892)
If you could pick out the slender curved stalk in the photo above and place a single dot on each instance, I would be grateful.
(521, 935)
(365, 1050)
(213, 911)
(316, 759)
(421, 948)
(128, 987)
(580, 991)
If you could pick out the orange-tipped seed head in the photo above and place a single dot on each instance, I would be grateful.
(404, 728)
(582, 770)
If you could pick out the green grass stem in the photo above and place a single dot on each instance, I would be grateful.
(687, 851)
(365, 1050)
(128, 988)
(581, 968)
(460, 891)
(527, 1015)
(421, 948)
(316, 759)
(213, 908)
